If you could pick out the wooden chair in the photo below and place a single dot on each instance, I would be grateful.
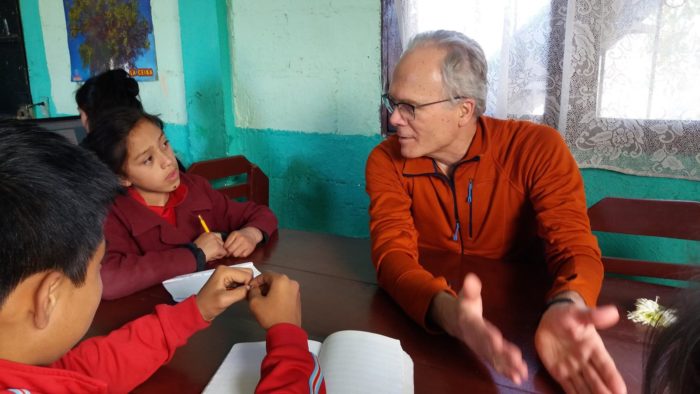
(658, 218)
(256, 188)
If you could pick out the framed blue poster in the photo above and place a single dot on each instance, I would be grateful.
(109, 34)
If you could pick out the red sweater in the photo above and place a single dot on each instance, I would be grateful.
(143, 249)
(516, 192)
(120, 361)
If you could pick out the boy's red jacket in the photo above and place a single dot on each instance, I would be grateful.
(120, 361)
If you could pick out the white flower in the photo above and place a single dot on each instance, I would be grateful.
(650, 313)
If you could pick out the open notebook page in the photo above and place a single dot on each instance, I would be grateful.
(364, 362)
(240, 371)
(351, 361)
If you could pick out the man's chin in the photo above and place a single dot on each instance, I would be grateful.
(410, 153)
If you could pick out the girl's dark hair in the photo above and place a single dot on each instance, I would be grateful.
(109, 132)
(673, 357)
(113, 88)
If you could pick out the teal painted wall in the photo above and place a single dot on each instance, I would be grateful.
(316, 180)
(306, 88)
(316, 169)
(204, 65)
(39, 80)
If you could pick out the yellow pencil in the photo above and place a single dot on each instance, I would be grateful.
(204, 224)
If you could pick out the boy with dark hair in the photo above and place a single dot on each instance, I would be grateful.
(54, 197)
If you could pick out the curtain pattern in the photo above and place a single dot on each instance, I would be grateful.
(656, 147)
(615, 77)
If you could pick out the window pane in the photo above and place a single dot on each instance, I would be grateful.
(515, 37)
(649, 62)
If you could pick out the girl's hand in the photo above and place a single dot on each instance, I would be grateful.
(212, 245)
(241, 243)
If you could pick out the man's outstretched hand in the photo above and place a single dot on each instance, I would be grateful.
(462, 317)
(571, 349)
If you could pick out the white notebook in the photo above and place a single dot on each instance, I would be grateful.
(183, 286)
(351, 361)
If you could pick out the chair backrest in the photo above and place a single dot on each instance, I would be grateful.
(256, 187)
(658, 218)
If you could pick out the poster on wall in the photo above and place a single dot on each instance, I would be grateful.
(108, 34)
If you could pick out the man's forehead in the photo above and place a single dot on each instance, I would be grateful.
(419, 73)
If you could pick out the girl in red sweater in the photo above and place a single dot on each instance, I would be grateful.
(153, 230)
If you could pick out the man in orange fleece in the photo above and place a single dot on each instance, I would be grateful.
(454, 179)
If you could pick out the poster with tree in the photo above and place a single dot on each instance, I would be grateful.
(109, 34)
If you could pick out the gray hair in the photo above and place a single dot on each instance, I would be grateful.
(464, 67)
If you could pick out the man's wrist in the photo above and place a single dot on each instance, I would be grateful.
(440, 311)
(557, 300)
(564, 297)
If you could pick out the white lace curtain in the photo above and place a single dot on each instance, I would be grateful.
(618, 78)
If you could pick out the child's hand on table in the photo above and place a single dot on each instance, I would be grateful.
(241, 243)
(212, 245)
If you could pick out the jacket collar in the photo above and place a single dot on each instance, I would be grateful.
(142, 219)
(427, 166)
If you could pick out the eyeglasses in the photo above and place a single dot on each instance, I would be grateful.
(408, 110)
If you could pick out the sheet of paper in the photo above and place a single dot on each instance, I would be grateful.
(351, 361)
(183, 286)
(364, 362)
(240, 371)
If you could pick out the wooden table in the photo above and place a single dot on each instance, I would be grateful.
(339, 292)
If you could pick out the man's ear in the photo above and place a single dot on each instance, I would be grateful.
(46, 298)
(466, 111)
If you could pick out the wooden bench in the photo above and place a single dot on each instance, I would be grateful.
(658, 218)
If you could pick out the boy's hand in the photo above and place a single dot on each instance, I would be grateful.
(274, 298)
(219, 293)
(241, 243)
(212, 245)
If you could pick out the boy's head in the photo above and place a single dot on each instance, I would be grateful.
(54, 197)
(133, 145)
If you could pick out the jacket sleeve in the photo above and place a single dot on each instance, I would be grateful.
(239, 214)
(126, 269)
(289, 367)
(559, 201)
(395, 240)
(129, 355)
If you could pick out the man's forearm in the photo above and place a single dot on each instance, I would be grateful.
(443, 313)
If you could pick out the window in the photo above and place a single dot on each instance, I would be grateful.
(643, 58)
(616, 78)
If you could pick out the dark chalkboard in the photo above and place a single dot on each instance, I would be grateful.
(14, 80)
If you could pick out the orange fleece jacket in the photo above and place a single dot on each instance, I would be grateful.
(526, 190)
